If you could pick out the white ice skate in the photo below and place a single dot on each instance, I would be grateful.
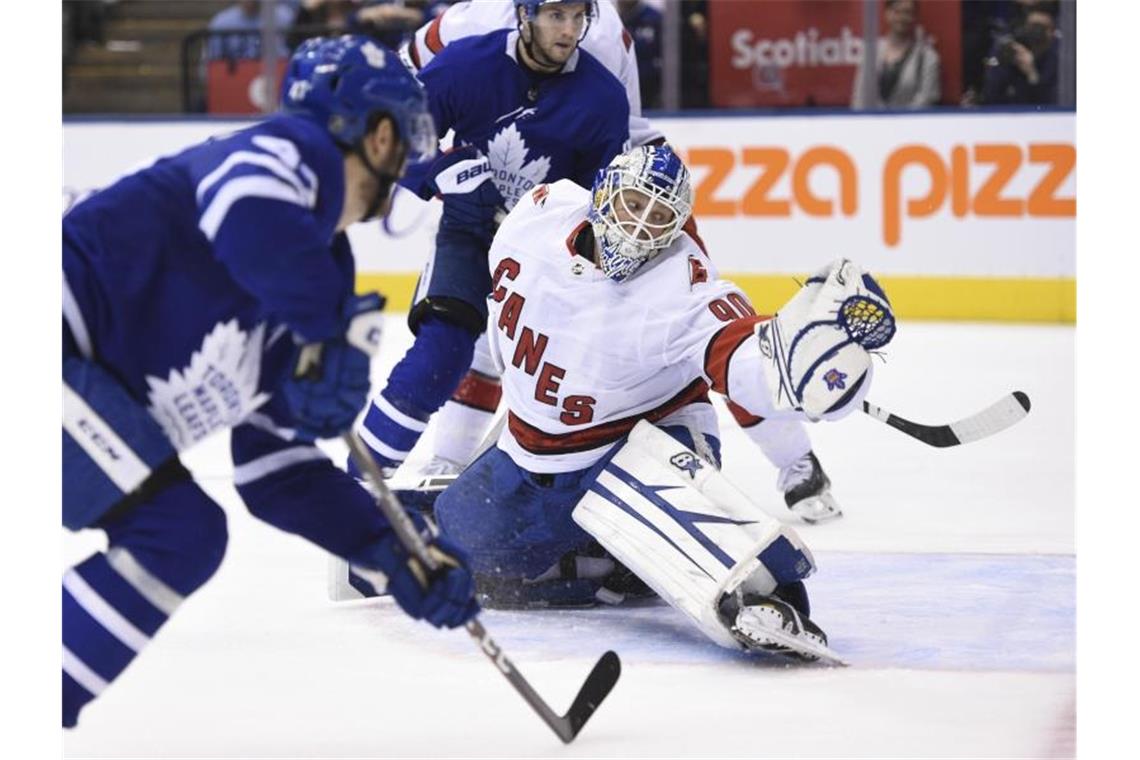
(807, 490)
(768, 624)
(419, 490)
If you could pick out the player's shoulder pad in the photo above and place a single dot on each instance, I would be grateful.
(548, 204)
(684, 270)
(563, 193)
(468, 56)
(607, 88)
(296, 140)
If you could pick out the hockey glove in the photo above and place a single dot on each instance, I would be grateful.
(463, 180)
(444, 597)
(329, 383)
(818, 343)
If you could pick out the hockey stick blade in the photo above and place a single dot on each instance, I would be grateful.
(597, 685)
(1005, 413)
(596, 688)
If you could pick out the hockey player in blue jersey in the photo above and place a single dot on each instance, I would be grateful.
(528, 106)
(211, 290)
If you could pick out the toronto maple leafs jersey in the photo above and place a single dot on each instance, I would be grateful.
(188, 279)
(532, 127)
(606, 39)
(584, 357)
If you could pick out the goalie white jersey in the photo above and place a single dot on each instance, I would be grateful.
(584, 357)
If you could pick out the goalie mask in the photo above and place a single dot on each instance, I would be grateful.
(640, 203)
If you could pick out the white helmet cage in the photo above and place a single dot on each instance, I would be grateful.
(630, 237)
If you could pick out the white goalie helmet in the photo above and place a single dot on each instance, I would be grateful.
(640, 203)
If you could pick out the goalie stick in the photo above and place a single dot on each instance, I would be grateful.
(1006, 412)
(598, 683)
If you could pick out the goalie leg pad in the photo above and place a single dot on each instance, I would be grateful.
(685, 530)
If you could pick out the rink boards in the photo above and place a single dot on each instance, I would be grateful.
(964, 215)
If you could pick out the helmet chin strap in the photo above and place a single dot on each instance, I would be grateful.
(386, 182)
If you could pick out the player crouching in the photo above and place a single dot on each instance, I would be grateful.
(611, 326)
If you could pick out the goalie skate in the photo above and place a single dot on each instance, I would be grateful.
(768, 624)
(807, 490)
(419, 490)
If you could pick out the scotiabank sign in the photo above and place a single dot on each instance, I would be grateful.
(804, 52)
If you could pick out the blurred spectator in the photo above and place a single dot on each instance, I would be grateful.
(245, 17)
(391, 21)
(85, 19)
(320, 18)
(1022, 66)
(643, 22)
(387, 21)
(908, 69)
(694, 54)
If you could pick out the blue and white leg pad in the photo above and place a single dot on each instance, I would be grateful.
(684, 529)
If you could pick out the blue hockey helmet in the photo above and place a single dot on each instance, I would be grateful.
(343, 82)
(532, 6)
(640, 203)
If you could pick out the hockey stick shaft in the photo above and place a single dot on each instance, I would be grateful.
(1006, 412)
(601, 679)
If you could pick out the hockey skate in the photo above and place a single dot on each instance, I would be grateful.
(769, 624)
(417, 492)
(420, 490)
(807, 490)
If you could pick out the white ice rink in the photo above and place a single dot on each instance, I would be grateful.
(949, 585)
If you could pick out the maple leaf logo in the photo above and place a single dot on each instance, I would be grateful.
(217, 389)
(514, 176)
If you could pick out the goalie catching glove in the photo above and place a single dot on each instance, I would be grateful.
(817, 346)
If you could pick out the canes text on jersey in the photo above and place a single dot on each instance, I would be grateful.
(529, 348)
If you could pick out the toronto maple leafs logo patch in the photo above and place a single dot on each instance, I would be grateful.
(513, 174)
(686, 462)
(217, 389)
(835, 379)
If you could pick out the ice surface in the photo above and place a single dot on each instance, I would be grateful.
(949, 585)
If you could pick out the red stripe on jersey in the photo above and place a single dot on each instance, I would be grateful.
(432, 38)
(743, 417)
(573, 235)
(414, 52)
(723, 346)
(539, 442)
(478, 391)
(626, 39)
(690, 228)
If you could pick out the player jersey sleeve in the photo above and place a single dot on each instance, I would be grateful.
(291, 484)
(463, 19)
(257, 204)
(713, 330)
